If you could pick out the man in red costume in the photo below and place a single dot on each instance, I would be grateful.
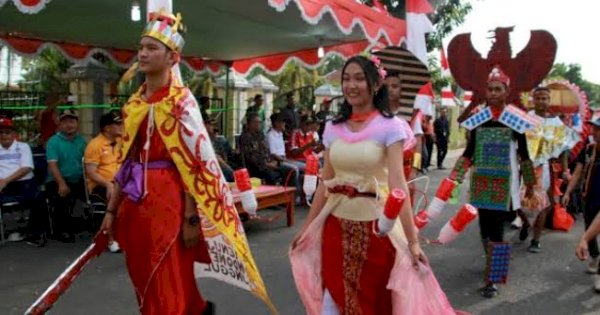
(158, 223)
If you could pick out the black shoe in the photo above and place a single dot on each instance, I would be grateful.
(36, 241)
(534, 247)
(489, 291)
(210, 308)
(524, 233)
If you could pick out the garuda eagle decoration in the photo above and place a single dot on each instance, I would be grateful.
(526, 70)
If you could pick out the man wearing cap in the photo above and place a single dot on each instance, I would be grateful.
(496, 151)
(102, 161)
(588, 168)
(170, 188)
(17, 182)
(64, 153)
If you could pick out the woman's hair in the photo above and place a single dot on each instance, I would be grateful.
(380, 100)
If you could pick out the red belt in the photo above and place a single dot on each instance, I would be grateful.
(350, 192)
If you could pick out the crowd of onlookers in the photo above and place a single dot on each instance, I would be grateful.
(51, 186)
(276, 155)
(68, 171)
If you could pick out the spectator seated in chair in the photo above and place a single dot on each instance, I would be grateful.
(222, 150)
(17, 182)
(277, 149)
(256, 155)
(102, 163)
(304, 141)
(65, 174)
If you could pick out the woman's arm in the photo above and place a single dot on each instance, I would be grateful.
(396, 180)
(320, 198)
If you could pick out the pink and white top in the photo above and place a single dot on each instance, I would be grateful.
(385, 131)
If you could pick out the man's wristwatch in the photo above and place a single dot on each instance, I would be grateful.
(193, 220)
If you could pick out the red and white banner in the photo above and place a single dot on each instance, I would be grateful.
(467, 96)
(418, 25)
(424, 99)
(448, 96)
(28, 6)
(347, 15)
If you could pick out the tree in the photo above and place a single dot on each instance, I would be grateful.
(47, 69)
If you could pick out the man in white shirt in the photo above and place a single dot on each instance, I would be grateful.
(16, 180)
(277, 150)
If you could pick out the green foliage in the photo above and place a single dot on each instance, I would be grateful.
(47, 69)
(572, 73)
(448, 15)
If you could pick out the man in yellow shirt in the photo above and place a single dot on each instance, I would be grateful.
(101, 160)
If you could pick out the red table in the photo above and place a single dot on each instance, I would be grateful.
(270, 196)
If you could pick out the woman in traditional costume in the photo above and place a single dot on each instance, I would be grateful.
(341, 263)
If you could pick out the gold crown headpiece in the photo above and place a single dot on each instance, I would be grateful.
(166, 28)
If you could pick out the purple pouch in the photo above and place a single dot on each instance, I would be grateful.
(130, 178)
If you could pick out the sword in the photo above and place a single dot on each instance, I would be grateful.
(67, 277)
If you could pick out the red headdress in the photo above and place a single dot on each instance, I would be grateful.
(497, 75)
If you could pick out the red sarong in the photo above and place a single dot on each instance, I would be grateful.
(160, 267)
(356, 267)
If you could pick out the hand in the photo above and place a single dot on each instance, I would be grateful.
(582, 249)
(63, 190)
(417, 255)
(296, 238)
(3, 183)
(107, 224)
(190, 234)
(566, 199)
(529, 192)
(272, 165)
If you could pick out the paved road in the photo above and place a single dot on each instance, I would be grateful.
(552, 282)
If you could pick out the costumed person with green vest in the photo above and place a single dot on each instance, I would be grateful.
(496, 152)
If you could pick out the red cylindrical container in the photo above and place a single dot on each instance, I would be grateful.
(394, 203)
(444, 192)
(242, 180)
(465, 215)
(312, 165)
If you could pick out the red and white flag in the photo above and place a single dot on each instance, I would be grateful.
(444, 63)
(467, 97)
(417, 26)
(448, 97)
(424, 99)
(447, 94)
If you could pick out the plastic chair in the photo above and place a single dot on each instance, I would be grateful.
(95, 207)
(3, 205)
